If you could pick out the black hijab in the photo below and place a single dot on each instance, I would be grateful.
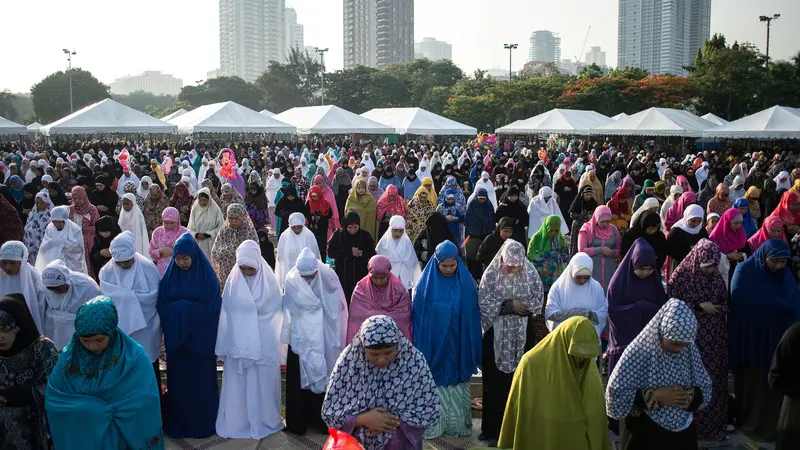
(58, 199)
(15, 316)
(438, 232)
(581, 208)
(656, 240)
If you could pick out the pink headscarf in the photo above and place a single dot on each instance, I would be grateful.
(681, 180)
(591, 227)
(770, 223)
(727, 240)
(165, 238)
(675, 212)
(391, 299)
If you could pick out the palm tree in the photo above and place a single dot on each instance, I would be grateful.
(796, 61)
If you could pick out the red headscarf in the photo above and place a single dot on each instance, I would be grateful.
(320, 203)
(783, 211)
(620, 203)
(180, 195)
(726, 239)
(391, 202)
(78, 192)
(770, 223)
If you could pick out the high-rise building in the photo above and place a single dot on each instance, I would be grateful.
(545, 46)
(151, 81)
(595, 56)
(433, 49)
(293, 33)
(251, 34)
(662, 36)
(378, 32)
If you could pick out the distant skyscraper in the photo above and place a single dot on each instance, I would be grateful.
(251, 34)
(595, 56)
(293, 33)
(545, 46)
(151, 81)
(378, 32)
(662, 36)
(432, 49)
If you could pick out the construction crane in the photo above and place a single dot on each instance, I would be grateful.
(577, 60)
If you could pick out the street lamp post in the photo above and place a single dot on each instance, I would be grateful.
(510, 48)
(321, 53)
(769, 20)
(70, 54)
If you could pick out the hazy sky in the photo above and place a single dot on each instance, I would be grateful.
(114, 38)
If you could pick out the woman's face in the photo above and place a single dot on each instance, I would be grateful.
(248, 271)
(127, 205)
(794, 206)
(96, 344)
(203, 200)
(580, 280)
(643, 271)
(736, 224)
(743, 209)
(170, 225)
(448, 266)
(7, 339)
(603, 224)
(352, 228)
(379, 279)
(651, 230)
(695, 222)
(587, 196)
(234, 221)
(41, 205)
(552, 233)
(105, 234)
(450, 200)
(776, 264)
(373, 186)
(52, 192)
(708, 270)
(361, 189)
(319, 183)
(713, 222)
(685, 186)
(382, 357)
(315, 197)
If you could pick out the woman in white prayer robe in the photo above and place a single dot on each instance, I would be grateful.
(131, 280)
(540, 208)
(395, 245)
(131, 219)
(576, 293)
(291, 242)
(485, 183)
(63, 239)
(205, 221)
(19, 276)
(248, 340)
(315, 327)
(67, 290)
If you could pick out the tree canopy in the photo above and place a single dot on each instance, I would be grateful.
(51, 95)
(216, 90)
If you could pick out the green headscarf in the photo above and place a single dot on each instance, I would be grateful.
(647, 184)
(554, 402)
(541, 242)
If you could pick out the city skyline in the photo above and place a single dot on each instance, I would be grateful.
(181, 37)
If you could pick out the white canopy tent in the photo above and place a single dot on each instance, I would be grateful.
(177, 113)
(8, 127)
(778, 122)
(330, 119)
(567, 121)
(657, 122)
(619, 116)
(228, 117)
(418, 121)
(716, 120)
(34, 127)
(107, 116)
(267, 113)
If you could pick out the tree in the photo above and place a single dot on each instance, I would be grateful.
(661, 91)
(51, 95)
(631, 73)
(296, 83)
(222, 89)
(593, 71)
(796, 62)
(480, 111)
(147, 102)
(7, 109)
(422, 75)
(604, 95)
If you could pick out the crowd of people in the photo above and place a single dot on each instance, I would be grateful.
(401, 271)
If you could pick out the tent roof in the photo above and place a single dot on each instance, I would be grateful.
(34, 126)
(657, 122)
(778, 122)
(177, 113)
(570, 121)
(107, 116)
(267, 113)
(619, 116)
(716, 120)
(228, 117)
(330, 119)
(9, 127)
(418, 121)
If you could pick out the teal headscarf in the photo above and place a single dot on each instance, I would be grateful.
(647, 184)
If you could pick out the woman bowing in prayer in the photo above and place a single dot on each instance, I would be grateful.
(510, 293)
(288, 203)
(189, 302)
(105, 230)
(248, 340)
(576, 293)
(380, 293)
(38, 219)
(684, 235)
(720, 202)
(12, 229)
(647, 226)
(635, 295)
(621, 205)
(101, 393)
(772, 228)
(182, 201)
(783, 375)
(548, 252)
(765, 302)
(601, 240)
(731, 240)
(749, 224)
(63, 240)
(351, 248)
(19, 276)
(84, 214)
(237, 229)
(318, 214)
(205, 221)
(540, 208)
(447, 330)
(697, 282)
(419, 210)
(479, 224)
(67, 291)
(453, 214)
(381, 390)
(314, 326)
(131, 219)
(164, 237)
(27, 359)
(365, 206)
(659, 383)
(290, 243)
(556, 398)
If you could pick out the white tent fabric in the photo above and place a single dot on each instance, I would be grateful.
(716, 120)
(9, 127)
(619, 116)
(177, 113)
(330, 119)
(569, 121)
(267, 113)
(418, 121)
(107, 116)
(657, 122)
(778, 122)
(228, 117)
(34, 127)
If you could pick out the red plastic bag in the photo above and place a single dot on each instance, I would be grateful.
(339, 440)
